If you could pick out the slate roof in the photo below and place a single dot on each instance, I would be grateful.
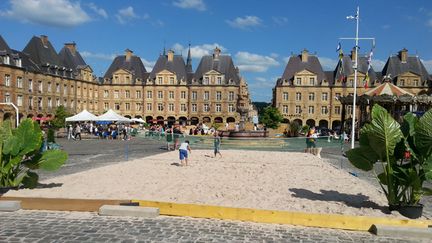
(395, 67)
(329, 76)
(222, 64)
(26, 62)
(296, 65)
(41, 54)
(5, 50)
(348, 67)
(71, 60)
(134, 65)
(177, 66)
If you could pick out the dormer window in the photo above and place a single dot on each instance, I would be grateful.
(415, 82)
(171, 80)
(6, 60)
(206, 80)
(402, 82)
(219, 80)
(160, 80)
(312, 81)
(116, 78)
(298, 81)
(18, 62)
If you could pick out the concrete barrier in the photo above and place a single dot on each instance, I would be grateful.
(10, 206)
(114, 210)
(397, 231)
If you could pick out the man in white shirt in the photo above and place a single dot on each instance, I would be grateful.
(183, 152)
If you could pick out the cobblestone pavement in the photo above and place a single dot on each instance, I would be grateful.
(44, 226)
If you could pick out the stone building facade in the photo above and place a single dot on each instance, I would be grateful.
(308, 95)
(38, 80)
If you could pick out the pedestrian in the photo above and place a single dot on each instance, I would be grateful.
(217, 143)
(70, 132)
(183, 152)
(78, 131)
(311, 139)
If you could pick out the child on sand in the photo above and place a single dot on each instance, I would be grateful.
(183, 152)
(217, 143)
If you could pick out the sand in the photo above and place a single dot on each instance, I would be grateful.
(247, 179)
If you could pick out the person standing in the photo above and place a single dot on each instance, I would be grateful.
(217, 143)
(78, 131)
(70, 132)
(183, 152)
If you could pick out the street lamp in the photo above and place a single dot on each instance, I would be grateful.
(16, 110)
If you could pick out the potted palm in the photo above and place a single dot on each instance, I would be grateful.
(405, 154)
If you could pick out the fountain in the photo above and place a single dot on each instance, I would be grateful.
(242, 132)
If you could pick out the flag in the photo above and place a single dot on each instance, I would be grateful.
(369, 61)
(339, 47)
(341, 70)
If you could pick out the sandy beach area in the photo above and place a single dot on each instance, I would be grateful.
(247, 179)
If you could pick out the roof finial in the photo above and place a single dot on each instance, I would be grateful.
(164, 51)
(189, 60)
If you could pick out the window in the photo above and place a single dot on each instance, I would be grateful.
(206, 95)
(117, 106)
(349, 109)
(206, 80)
(311, 109)
(218, 108)
(194, 107)
(58, 103)
(337, 110)
(30, 103)
(285, 96)
(311, 96)
(171, 80)
(402, 82)
(230, 108)
(127, 106)
(324, 96)
(170, 107)
(106, 94)
(19, 100)
(206, 107)
(40, 103)
(298, 81)
(65, 103)
(160, 80)
(183, 94)
(160, 95)
(149, 95)
(194, 95)
(40, 86)
(127, 94)
(79, 90)
(149, 106)
(285, 109)
(311, 81)
(298, 109)
(7, 80)
(116, 94)
(219, 80)
(6, 60)
(19, 62)
(183, 107)
(49, 87)
(65, 89)
(415, 82)
(171, 95)
(138, 94)
(106, 106)
(49, 102)
(19, 82)
(7, 98)
(350, 82)
(116, 78)
(138, 106)
(231, 96)
(30, 85)
(324, 110)
(298, 96)
(218, 95)
(58, 88)
(160, 107)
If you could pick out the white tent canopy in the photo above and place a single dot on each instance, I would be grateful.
(111, 115)
(140, 120)
(82, 116)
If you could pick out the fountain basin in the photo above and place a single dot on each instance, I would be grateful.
(244, 134)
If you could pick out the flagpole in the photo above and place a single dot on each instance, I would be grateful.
(355, 80)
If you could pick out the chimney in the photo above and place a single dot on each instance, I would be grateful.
(71, 47)
(128, 54)
(216, 53)
(353, 54)
(170, 55)
(44, 40)
(403, 55)
(304, 55)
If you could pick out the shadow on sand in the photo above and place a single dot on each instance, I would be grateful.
(356, 201)
(50, 185)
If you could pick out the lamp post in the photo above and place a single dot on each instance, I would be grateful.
(16, 110)
(356, 38)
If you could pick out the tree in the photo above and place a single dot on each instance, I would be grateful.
(271, 117)
(60, 116)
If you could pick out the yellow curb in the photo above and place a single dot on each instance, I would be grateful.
(335, 221)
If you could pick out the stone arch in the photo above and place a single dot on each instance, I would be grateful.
(171, 120)
(128, 116)
(299, 121)
(323, 124)
(206, 119)
(138, 117)
(310, 122)
(160, 120)
(149, 119)
(218, 119)
(20, 116)
(336, 124)
(285, 120)
(194, 121)
(30, 116)
(183, 120)
(7, 116)
(230, 119)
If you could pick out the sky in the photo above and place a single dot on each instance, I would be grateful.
(259, 35)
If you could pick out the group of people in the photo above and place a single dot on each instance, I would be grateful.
(185, 149)
(112, 131)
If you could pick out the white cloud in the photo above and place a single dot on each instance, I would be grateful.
(328, 64)
(148, 64)
(199, 50)
(428, 65)
(100, 11)
(429, 23)
(378, 64)
(58, 13)
(99, 56)
(127, 14)
(245, 23)
(253, 62)
(280, 20)
(261, 82)
(385, 27)
(190, 4)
